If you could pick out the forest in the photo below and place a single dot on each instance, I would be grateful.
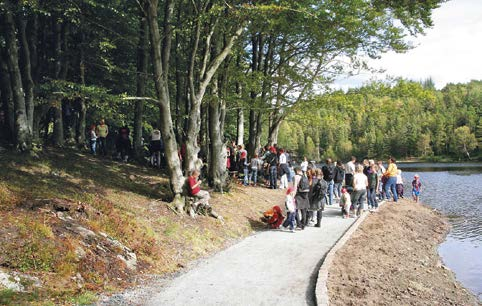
(406, 119)
(205, 72)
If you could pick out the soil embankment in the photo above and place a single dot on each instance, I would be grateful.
(392, 259)
(73, 226)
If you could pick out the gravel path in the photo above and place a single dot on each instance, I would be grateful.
(269, 268)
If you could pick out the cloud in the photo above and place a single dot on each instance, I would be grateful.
(450, 52)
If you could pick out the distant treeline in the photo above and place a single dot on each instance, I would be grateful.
(405, 119)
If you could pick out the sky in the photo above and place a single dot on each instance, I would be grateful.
(450, 52)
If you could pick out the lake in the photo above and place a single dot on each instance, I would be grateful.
(455, 190)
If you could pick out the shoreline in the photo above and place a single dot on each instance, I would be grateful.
(392, 258)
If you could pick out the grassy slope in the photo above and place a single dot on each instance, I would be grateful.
(124, 201)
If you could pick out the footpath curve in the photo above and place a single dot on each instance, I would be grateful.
(271, 267)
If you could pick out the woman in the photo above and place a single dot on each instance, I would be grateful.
(317, 195)
(338, 178)
(360, 184)
(391, 178)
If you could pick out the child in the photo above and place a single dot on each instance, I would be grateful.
(399, 185)
(416, 188)
(273, 217)
(345, 203)
(291, 208)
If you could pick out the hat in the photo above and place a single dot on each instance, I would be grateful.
(343, 190)
(416, 175)
(290, 190)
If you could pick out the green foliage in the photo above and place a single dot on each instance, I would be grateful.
(404, 119)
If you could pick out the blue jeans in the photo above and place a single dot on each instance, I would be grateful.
(101, 141)
(372, 197)
(391, 185)
(246, 176)
(273, 176)
(330, 192)
(337, 189)
(254, 175)
(291, 219)
(93, 145)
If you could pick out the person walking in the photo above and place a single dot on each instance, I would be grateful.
(350, 171)
(391, 179)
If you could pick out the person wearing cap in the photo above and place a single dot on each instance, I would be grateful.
(416, 187)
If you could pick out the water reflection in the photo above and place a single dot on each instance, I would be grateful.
(457, 192)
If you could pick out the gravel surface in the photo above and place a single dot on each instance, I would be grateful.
(269, 268)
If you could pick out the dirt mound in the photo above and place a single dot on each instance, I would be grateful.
(392, 260)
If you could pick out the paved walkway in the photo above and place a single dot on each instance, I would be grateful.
(269, 268)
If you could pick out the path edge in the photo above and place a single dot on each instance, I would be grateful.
(321, 290)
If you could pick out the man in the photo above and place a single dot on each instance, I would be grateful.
(350, 171)
(328, 175)
(102, 132)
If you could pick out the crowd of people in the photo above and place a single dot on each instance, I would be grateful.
(353, 186)
(98, 135)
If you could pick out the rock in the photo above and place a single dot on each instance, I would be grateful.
(80, 252)
(10, 282)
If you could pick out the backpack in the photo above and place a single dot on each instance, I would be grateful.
(320, 189)
(304, 184)
(328, 172)
(339, 175)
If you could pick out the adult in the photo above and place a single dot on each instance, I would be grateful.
(284, 169)
(350, 171)
(304, 165)
(123, 144)
(338, 178)
(243, 164)
(317, 195)
(381, 180)
(273, 168)
(328, 175)
(102, 133)
(372, 185)
(360, 185)
(391, 179)
(302, 199)
(155, 148)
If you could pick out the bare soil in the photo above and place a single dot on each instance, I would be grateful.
(392, 259)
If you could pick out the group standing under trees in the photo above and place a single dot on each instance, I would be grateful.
(183, 66)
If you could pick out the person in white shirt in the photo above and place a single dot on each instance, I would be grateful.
(304, 165)
(284, 169)
(360, 184)
(350, 171)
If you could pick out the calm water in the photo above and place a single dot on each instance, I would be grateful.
(456, 190)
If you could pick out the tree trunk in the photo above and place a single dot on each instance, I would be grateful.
(142, 62)
(161, 68)
(57, 29)
(26, 71)
(22, 135)
(81, 125)
(32, 42)
(240, 127)
(217, 161)
(273, 131)
(64, 63)
(58, 137)
(6, 97)
(259, 130)
(252, 132)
